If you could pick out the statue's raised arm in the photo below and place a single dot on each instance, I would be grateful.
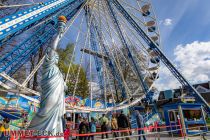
(52, 104)
(61, 28)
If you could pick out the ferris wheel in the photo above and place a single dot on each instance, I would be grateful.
(120, 66)
(116, 48)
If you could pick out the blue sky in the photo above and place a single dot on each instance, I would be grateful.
(190, 22)
(185, 40)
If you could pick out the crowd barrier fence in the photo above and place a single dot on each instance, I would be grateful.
(157, 131)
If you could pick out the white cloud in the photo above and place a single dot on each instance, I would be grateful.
(167, 22)
(192, 60)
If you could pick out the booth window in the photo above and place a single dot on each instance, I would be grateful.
(171, 116)
(192, 115)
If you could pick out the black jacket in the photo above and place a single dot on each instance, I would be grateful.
(122, 121)
(83, 128)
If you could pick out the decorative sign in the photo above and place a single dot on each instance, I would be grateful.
(13, 101)
(71, 99)
(188, 99)
(17, 107)
(98, 105)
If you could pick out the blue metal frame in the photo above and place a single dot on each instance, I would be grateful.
(160, 54)
(125, 44)
(12, 61)
(20, 27)
(110, 62)
(94, 47)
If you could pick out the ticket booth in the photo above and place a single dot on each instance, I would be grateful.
(189, 115)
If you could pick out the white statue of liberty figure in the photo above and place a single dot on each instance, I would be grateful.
(52, 104)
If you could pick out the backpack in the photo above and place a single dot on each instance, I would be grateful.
(92, 127)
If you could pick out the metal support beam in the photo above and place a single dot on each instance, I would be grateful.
(33, 72)
(13, 25)
(7, 77)
(4, 85)
(95, 54)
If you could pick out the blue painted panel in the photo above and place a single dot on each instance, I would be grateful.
(12, 61)
(7, 21)
(168, 94)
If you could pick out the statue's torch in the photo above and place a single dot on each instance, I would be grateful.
(61, 28)
(61, 24)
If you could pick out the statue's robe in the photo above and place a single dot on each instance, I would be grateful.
(52, 105)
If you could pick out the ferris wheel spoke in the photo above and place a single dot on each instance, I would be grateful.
(113, 44)
(131, 29)
(136, 38)
(104, 66)
(74, 50)
(77, 38)
(108, 30)
(122, 38)
(82, 56)
(156, 76)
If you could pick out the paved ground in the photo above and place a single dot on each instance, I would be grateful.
(162, 137)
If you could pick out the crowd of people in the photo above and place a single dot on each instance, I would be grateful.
(118, 125)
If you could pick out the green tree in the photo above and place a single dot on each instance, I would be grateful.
(81, 85)
(65, 55)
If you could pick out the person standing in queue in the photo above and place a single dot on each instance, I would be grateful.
(92, 126)
(64, 122)
(123, 125)
(67, 132)
(83, 129)
(4, 129)
(114, 125)
(104, 125)
(140, 123)
(129, 124)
